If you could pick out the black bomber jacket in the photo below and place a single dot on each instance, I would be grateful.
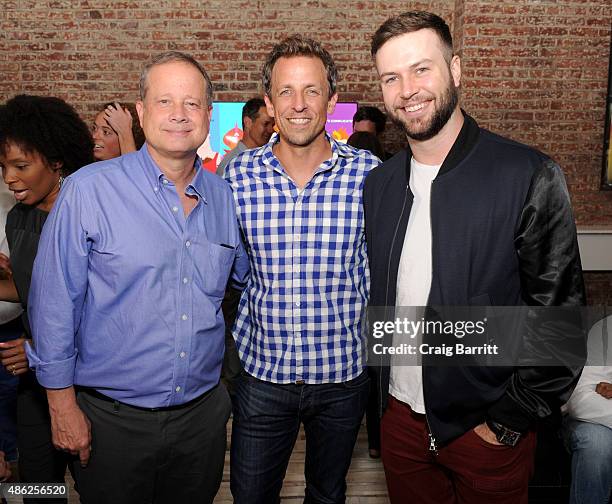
(503, 234)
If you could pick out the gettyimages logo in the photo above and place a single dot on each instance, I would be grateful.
(478, 335)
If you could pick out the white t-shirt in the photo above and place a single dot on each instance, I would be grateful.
(414, 281)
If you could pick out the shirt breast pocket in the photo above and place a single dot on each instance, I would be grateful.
(217, 261)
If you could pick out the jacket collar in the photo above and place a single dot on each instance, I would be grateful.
(461, 148)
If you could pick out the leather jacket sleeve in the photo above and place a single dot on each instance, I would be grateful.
(551, 275)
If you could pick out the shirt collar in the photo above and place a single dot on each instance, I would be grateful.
(155, 176)
(339, 150)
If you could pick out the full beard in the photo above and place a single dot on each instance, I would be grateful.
(424, 131)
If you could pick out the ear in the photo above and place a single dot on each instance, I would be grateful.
(331, 104)
(269, 106)
(455, 69)
(140, 110)
(248, 122)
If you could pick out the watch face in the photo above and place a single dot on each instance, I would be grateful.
(509, 438)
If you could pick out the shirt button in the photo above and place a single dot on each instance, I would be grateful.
(182, 355)
(297, 303)
(175, 209)
(178, 388)
(184, 316)
(185, 280)
(155, 189)
(165, 181)
(187, 243)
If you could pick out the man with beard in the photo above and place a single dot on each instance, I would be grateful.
(299, 331)
(461, 217)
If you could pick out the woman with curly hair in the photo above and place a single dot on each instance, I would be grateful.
(115, 132)
(42, 140)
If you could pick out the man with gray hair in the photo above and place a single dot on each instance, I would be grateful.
(125, 305)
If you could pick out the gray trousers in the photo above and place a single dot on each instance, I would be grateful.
(141, 456)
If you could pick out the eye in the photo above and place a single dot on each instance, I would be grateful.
(285, 92)
(421, 70)
(193, 105)
(313, 92)
(163, 101)
(390, 79)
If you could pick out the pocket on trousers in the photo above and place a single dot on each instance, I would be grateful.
(358, 382)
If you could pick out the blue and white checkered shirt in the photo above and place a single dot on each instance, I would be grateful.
(300, 317)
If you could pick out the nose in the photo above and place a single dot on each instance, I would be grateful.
(178, 113)
(8, 175)
(96, 134)
(299, 103)
(408, 87)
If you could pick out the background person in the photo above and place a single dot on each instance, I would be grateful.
(587, 427)
(42, 140)
(257, 128)
(371, 120)
(368, 141)
(115, 131)
(10, 328)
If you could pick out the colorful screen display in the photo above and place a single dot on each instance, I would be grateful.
(226, 129)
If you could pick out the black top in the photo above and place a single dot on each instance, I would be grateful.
(23, 227)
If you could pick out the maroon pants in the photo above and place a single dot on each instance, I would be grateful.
(466, 471)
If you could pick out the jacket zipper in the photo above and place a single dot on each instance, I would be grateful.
(380, 395)
(433, 448)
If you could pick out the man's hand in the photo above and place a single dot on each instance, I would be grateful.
(70, 428)
(483, 432)
(13, 356)
(5, 469)
(604, 389)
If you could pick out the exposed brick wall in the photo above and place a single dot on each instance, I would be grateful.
(599, 288)
(537, 71)
(534, 70)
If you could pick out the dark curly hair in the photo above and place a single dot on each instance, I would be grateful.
(48, 126)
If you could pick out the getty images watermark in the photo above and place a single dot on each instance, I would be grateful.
(415, 330)
(481, 335)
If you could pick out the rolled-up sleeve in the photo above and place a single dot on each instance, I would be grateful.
(58, 289)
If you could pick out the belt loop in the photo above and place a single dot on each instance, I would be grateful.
(116, 406)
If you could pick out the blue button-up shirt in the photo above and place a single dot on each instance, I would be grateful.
(300, 317)
(126, 291)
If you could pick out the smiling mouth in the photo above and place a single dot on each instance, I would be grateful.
(98, 146)
(415, 108)
(178, 132)
(299, 120)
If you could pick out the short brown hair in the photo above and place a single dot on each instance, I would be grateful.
(297, 45)
(409, 22)
(169, 57)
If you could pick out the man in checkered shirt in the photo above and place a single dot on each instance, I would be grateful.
(299, 331)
